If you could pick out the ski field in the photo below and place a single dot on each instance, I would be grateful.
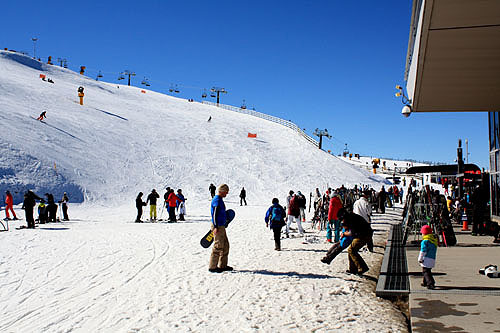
(100, 272)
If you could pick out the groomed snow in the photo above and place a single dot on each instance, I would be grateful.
(101, 273)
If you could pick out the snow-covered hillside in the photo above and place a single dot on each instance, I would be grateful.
(123, 141)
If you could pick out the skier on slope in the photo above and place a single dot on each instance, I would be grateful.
(9, 205)
(151, 199)
(243, 195)
(42, 116)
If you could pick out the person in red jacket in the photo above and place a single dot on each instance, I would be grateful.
(333, 220)
(9, 204)
(293, 214)
(172, 203)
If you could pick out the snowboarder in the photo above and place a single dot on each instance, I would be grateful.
(212, 189)
(65, 201)
(151, 199)
(181, 204)
(9, 205)
(220, 250)
(243, 195)
(139, 204)
(42, 116)
(275, 219)
(361, 232)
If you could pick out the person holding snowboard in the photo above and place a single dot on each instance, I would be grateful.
(139, 204)
(243, 195)
(220, 250)
(9, 205)
(275, 219)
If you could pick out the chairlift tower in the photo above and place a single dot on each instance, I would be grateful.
(218, 90)
(34, 39)
(321, 133)
(127, 73)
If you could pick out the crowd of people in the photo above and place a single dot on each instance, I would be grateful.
(172, 202)
(47, 208)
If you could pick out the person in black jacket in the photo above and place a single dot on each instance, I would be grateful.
(28, 205)
(243, 195)
(362, 233)
(382, 198)
(139, 204)
(152, 197)
(51, 207)
(212, 189)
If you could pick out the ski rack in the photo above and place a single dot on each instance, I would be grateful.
(261, 115)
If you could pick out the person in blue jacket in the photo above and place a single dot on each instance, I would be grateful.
(220, 249)
(339, 246)
(181, 205)
(275, 219)
(427, 255)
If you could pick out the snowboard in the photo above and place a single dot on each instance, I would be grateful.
(208, 239)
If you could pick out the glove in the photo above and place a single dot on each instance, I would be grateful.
(267, 225)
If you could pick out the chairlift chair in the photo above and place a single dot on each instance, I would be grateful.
(204, 94)
(176, 90)
(121, 77)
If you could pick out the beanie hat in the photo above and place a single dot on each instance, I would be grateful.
(426, 230)
(223, 188)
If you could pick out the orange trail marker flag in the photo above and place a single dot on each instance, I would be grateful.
(251, 135)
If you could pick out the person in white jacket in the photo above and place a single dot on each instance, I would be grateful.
(363, 208)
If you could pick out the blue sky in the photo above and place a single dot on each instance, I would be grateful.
(322, 64)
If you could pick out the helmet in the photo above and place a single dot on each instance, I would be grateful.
(426, 230)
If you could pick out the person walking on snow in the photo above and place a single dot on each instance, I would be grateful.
(333, 220)
(139, 204)
(151, 199)
(275, 219)
(42, 116)
(363, 208)
(294, 214)
(302, 206)
(9, 205)
(220, 249)
(212, 189)
(243, 195)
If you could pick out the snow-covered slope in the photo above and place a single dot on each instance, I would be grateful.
(123, 141)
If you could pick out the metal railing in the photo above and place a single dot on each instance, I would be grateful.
(277, 120)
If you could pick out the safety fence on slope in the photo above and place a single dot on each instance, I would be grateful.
(277, 120)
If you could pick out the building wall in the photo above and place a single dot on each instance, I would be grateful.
(494, 129)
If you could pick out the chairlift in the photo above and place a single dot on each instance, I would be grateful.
(121, 77)
(204, 94)
(243, 105)
(176, 90)
(100, 74)
(212, 94)
(144, 81)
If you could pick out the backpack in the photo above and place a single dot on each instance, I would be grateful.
(277, 214)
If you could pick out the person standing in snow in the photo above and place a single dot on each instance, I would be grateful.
(9, 205)
(212, 189)
(181, 204)
(243, 195)
(220, 249)
(288, 199)
(361, 232)
(139, 204)
(65, 201)
(275, 219)
(333, 220)
(151, 199)
(28, 206)
(51, 207)
(172, 203)
(382, 198)
(294, 214)
(363, 208)
(302, 202)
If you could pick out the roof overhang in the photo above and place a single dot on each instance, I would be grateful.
(449, 169)
(453, 61)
